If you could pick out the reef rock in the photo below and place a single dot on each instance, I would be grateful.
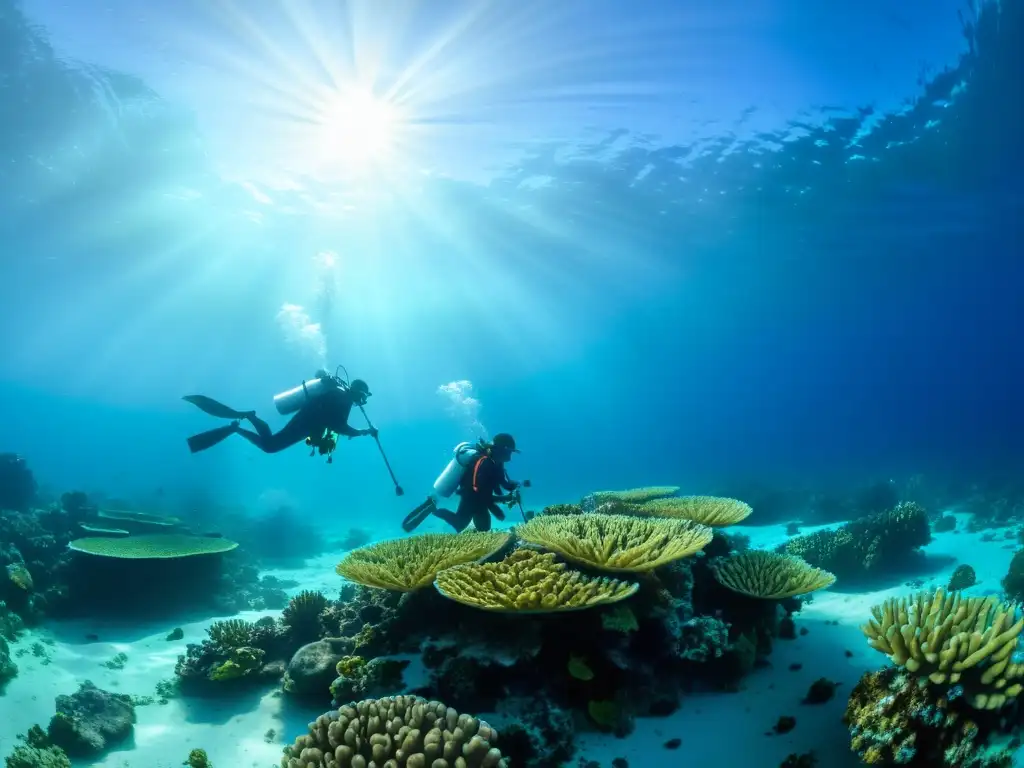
(91, 721)
(313, 668)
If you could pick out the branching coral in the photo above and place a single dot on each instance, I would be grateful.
(408, 564)
(302, 615)
(706, 510)
(400, 730)
(616, 542)
(953, 640)
(529, 582)
(865, 545)
(770, 575)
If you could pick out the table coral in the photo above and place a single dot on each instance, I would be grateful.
(616, 542)
(529, 582)
(408, 564)
(770, 575)
(706, 510)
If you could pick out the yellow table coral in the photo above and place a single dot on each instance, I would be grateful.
(157, 546)
(706, 510)
(954, 640)
(616, 542)
(637, 495)
(769, 575)
(408, 564)
(529, 582)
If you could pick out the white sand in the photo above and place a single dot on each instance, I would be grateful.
(719, 729)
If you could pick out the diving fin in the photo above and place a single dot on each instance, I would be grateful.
(208, 439)
(417, 516)
(212, 407)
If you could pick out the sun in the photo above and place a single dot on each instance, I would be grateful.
(356, 131)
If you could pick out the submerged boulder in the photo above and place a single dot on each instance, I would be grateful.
(91, 721)
(313, 668)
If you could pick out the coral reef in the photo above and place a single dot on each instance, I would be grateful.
(633, 495)
(313, 667)
(952, 640)
(302, 615)
(867, 545)
(149, 573)
(235, 652)
(962, 578)
(417, 732)
(770, 575)
(91, 720)
(1013, 581)
(413, 563)
(37, 752)
(706, 510)
(17, 484)
(527, 581)
(894, 719)
(616, 542)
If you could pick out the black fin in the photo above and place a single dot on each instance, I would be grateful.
(212, 407)
(417, 516)
(205, 440)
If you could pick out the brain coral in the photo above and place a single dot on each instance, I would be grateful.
(395, 731)
(529, 582)
(408, 564)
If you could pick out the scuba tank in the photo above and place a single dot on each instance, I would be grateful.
(292, 400)
(463, 456)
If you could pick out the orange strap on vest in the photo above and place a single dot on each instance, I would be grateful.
(476, 470)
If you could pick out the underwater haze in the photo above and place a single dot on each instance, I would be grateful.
(714, 244)
(695, 327)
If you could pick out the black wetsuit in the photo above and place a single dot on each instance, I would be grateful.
(484, 479)
(330, 411)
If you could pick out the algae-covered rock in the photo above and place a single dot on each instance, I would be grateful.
(91, 720)
(312, 669)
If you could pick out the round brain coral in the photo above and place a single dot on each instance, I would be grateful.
(393, 731)
(707, 510)
(160, 546)
(529, 582)
(411, 563)
(616, 542)
(769, 575)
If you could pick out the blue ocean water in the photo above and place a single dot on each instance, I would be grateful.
(738, 247)
(695, 246)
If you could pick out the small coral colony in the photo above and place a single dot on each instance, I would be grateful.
(584, 616)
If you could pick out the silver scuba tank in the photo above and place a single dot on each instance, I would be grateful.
(292, 400)
(450, 477)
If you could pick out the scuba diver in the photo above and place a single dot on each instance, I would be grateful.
(477, 473)
(321, 407)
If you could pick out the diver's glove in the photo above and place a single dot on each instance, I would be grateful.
(371, 431)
